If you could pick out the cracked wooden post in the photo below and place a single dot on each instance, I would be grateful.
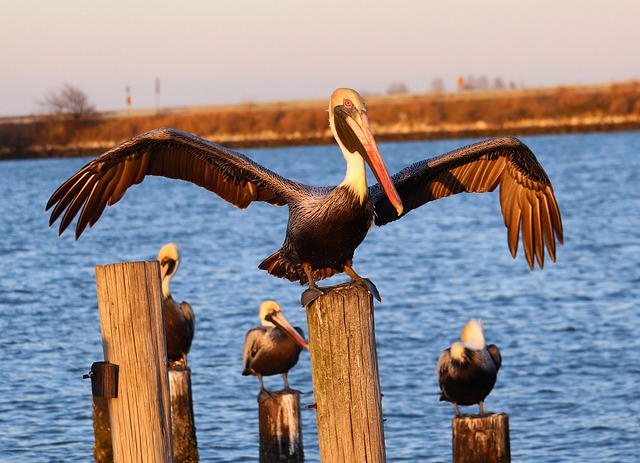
(481, 438)
(346, 384)
(130, 303)
(280, 430)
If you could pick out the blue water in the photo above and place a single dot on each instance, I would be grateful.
(570, 380)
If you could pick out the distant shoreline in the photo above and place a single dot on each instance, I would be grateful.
(463, 114)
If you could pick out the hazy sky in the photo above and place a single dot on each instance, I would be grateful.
(216, 51)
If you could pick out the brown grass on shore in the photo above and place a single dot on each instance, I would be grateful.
(397, 117)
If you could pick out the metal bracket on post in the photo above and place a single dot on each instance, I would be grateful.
(104, 379)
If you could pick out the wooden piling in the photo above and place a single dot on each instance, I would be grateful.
(104, 386)
(346, 384)
(130, 304)
(102, 448)
(183, 430)
(280, 430)
(481, 438)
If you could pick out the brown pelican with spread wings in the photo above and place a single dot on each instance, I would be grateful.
(326, 224)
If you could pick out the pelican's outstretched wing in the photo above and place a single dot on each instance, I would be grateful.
(526, 194)
(167, 153)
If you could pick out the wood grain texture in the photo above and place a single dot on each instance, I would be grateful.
(130, 304)
(280, 428)
(481, 439)
(345, 376)
(183, 428)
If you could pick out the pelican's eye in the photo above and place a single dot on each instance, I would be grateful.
(347, 103)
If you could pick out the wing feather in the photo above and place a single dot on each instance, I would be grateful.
(76, 204)
(93, 201)
(538, 237)
(64, 195)
(123, 182)
(555, 214)
(514, 230)
(527, 235)
(547, 226)
(527, 199)
(167, 153)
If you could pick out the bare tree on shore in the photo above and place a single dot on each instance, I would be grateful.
(69, 101)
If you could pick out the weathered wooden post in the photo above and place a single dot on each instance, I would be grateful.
(183, 429)
(346, 384)
(481, 438)
(102, 448)
(104, 386)
(130, 304)
(280, 430)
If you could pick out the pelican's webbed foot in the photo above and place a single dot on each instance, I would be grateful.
(369, 286)
(265, 395)
(364, 282)
(287, 389)
(314, 291)
(310, 295)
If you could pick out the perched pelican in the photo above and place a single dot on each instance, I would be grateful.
(326, 224)
(273, 347)
(179, 319)
(467, 370)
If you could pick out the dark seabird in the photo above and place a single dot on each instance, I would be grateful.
(467, 370)
(273, 347)
(179, 319)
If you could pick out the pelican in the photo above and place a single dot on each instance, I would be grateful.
(273, 347)
(326, 224)
(467, 370)
(179, 319)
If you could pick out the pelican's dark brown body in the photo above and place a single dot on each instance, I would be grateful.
(178, 329)
(269, 362)
(273, 347)
(471, 381)
(179, 319)
(323, 230)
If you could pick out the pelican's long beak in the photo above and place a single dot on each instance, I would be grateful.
(164, 268)
(360, 127)
(281, 322)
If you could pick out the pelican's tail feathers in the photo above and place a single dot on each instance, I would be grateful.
(283, 264)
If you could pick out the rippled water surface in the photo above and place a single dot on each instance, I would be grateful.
(570, 380)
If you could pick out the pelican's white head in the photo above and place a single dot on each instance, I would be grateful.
(169, 257)
(271, 316)
(266, 308)
(472, 335)
(350, 126)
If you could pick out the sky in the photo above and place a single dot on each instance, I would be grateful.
(240, 51)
